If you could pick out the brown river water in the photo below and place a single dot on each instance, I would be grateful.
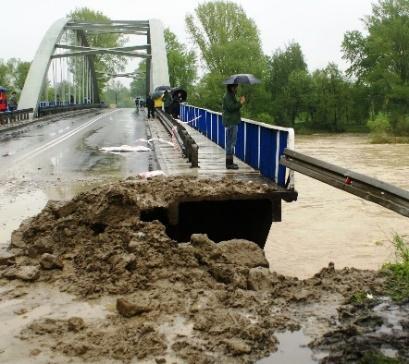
(327, 224)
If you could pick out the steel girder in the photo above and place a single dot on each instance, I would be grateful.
(157, 73)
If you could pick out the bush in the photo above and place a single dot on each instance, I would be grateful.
(398, 273)
(380, 125)
(402, 126)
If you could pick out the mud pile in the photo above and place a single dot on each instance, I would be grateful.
(193, 302)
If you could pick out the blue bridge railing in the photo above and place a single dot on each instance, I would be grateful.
(258, 144)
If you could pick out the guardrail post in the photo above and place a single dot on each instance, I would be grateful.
(195, 155)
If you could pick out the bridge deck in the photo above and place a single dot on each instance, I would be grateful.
(212, 158)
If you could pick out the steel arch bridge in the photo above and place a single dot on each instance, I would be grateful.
(65, 54)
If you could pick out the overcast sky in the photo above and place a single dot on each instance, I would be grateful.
(318, 25)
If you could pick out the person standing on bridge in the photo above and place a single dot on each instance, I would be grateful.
(167, 101)
(151, 107)
(231, 120)
(12, 102)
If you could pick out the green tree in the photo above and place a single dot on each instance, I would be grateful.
(138, 84)
(331, 99)
(380, 59)
(117, 94)
(229, 43)
(5, 80)
(20, 75)
(287, 82)
(104, 63)
(181, 62)
(13, 73)
(296, 98)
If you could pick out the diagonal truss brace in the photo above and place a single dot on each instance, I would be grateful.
(86, 51)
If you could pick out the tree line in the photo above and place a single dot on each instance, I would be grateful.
(372, 93)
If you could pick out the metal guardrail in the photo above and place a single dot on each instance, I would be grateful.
(368, 188)
(47, 110)
(258, 144)
(9, 117)
(186, 143)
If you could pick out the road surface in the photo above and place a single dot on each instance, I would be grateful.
(59, 159)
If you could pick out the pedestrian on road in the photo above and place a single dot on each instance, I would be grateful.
(12, 102)
(231, 120)
(151, 107)
(167, 101)
(137, 103)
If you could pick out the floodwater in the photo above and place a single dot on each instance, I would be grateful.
(292, 349)
(329, 225)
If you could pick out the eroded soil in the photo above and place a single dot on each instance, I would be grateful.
(169, 302)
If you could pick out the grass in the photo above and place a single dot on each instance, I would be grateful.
(397, 274)
(359, 298)
(378, 358)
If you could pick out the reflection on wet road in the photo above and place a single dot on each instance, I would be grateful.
(57, 160)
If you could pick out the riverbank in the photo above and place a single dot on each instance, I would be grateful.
(95, 279)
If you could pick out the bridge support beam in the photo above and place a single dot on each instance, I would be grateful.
(37, 74)
(157, 68)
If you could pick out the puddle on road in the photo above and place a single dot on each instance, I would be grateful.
(13, 210)
(21, 202)
(23, 305)
(292, 349)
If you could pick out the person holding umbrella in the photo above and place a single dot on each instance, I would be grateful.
(231, 112)
(231, 120)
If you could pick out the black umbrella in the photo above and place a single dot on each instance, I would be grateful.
(162, 88)
(157, 94)
(242, 78)
(181, 91)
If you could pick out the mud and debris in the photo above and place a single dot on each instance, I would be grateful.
(193, 301)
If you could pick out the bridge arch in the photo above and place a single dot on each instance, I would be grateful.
(50, 48)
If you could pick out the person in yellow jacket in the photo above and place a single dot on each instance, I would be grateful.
(158, 103)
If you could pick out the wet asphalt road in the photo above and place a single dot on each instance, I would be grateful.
(72, 147)
(55, 161)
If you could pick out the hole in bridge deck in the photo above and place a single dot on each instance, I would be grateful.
(98, 228)
(157, 213)
(220, 220)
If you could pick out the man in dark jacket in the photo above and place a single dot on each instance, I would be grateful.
(231, 120)
(12, 102)
(167, 101)
(151, 107)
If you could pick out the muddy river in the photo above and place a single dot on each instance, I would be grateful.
(327, 224)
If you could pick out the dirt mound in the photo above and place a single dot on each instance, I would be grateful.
(105, 247)
(197, 301)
